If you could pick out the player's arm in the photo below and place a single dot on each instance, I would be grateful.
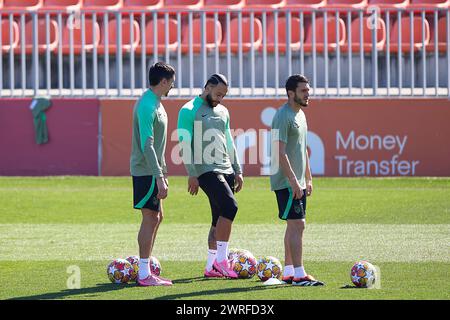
(286, 168)
(185, 132)
(145, 119)
(232, 153)
(309, 184)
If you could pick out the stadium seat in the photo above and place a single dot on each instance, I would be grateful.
(367, 35)
(406, 34)
(183, 4)
(234, 35)
(223, 4)
(441, 33)
(142, 4)
(388, 4)
(89, 43)
(66, 5)
(305, 4)
(42, 36)
(344, 4)
(161, 29)
(112, 33)
(331, 35)
(263, 4)
(102, 4)
(22, 4)
(282, 32)
(429, 4)
(211, 41)
(7, 44)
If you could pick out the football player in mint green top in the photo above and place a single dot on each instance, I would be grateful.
(210, 158)
(148, 167)
(291, 178)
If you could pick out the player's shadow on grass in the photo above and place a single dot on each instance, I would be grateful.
(99, 288)
(214, 292)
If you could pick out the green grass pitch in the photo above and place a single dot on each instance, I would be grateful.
(50, 224)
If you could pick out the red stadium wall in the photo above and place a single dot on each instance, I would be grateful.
(73, 138)
(347, 137)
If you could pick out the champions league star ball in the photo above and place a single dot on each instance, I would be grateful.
(269, 267)
(119, 271)
(155, 266)
(244, 264)
(363, 274)
(134, 261)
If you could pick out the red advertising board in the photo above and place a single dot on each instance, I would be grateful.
(346, 137)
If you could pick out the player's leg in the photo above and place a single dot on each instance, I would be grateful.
(158, 223)
(224, 193)
(209, 271)
(145, 199)
(284, 201)
(221, 196)
(288, 271)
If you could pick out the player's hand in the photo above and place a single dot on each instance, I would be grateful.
(238, 182)
(162, 188)
(309, 188)
(296, 189)
(193, 185)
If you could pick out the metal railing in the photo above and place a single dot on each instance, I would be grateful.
(107, 53)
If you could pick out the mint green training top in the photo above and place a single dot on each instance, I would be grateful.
(149, 137)
(205, 139)
(292, 129)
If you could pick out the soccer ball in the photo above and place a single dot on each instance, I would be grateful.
(155, 266)
(134, 261)
(119, 271)
(269, 267)
(363, 274)
(244, 264)
(233, 254)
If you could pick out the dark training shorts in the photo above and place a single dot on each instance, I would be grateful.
(288, 207)
(220, 191)
(144, 193)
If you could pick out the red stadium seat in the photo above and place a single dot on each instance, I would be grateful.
(367, 35)
(161, 29)
(305, 4)
(246, 41)
(429, 4)
(406, 34)
(103, 4)
(389, 4)
(343, 4)
(22, 4)
(183, 4)
(62, 4)
(223, 4)
(211, 41)
(90, 27)
(331, 35)
(441, 30)
(263, 4)
(143, 4)
(42, 36)
(127, 26)
(282, 32)
(7, 42)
